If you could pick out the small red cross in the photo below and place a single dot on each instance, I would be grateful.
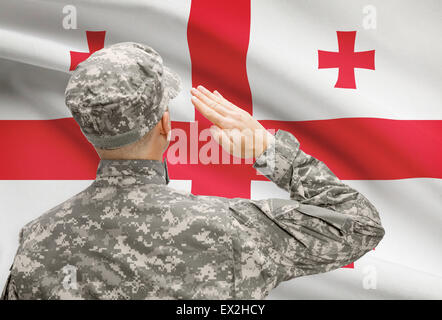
(95, 41)
(346, 59)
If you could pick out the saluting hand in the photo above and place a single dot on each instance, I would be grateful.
(234, 129)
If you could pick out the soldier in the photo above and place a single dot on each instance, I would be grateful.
(130, 236)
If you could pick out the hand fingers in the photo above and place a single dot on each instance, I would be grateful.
(220, 99)
(217, 94)
(214, 104)
(226, 102)
(208, 112)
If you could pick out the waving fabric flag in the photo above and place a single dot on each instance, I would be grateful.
(357, 83)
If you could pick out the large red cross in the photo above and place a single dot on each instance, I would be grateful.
(218, 53)
(346, 59)
(218, 37)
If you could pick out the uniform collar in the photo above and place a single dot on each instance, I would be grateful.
(132, 171)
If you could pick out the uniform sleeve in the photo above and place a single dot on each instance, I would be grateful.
(9, 291)
(325, 225)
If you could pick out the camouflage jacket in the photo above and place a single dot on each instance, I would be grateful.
(130, 236)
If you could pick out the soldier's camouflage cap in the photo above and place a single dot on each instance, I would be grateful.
(120, 93)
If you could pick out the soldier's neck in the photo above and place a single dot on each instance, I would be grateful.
(141, 155)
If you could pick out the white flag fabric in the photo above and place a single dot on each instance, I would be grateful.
(358, 84)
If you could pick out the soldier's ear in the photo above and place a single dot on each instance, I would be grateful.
(165, 123)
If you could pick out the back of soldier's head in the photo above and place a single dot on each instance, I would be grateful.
(120, 93)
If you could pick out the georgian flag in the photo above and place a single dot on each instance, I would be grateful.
(357, 83)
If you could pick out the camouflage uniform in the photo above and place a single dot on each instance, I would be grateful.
(130, 236)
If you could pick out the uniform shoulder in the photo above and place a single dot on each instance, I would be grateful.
(33, 227)
(201, 199)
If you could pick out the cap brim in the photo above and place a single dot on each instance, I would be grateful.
(172, 82)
